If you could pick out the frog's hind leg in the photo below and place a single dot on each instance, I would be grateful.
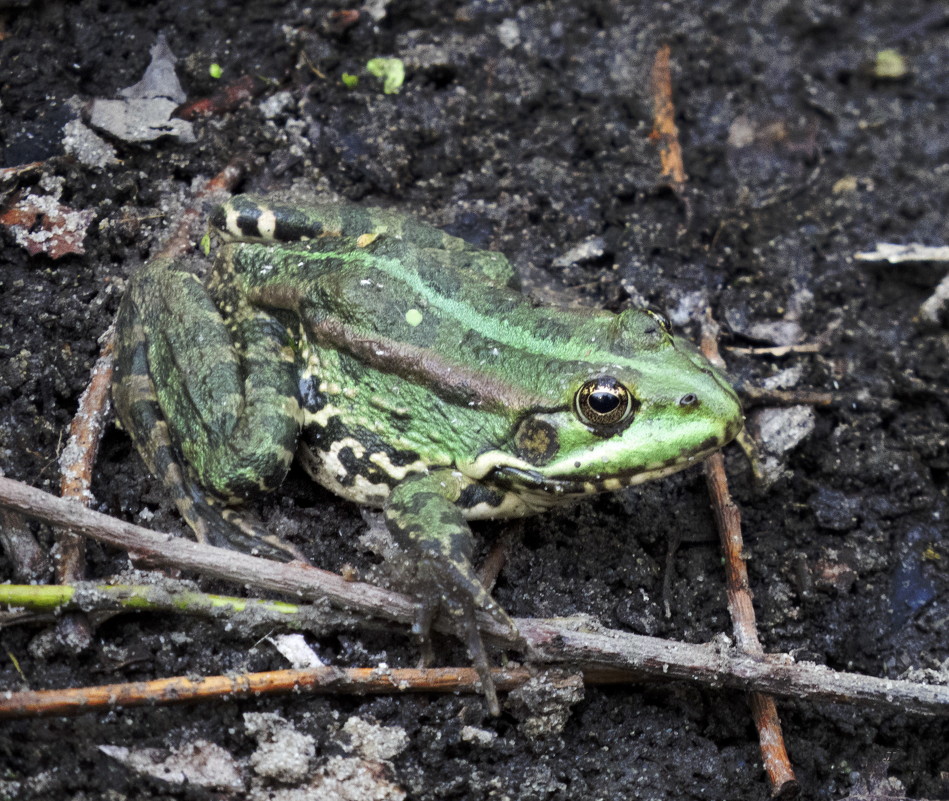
(167, 397)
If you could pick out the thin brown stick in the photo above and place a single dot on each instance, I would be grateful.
(548, 641)
(324, 680)
(191, 220)
(779, 350)
(665, 131)
(756, 396)
(774, 753)
(77, 460)
(234, 94)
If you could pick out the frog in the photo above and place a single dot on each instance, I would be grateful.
(405, 371)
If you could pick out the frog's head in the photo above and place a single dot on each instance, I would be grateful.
(649, 406)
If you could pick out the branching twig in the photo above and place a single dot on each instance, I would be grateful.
(548, 641)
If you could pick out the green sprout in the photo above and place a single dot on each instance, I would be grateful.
(390, 70)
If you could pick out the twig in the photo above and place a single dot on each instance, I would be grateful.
(915, 253)
(78, 458)
(548, 641)
(898, 254)
(778, 350)
(728, 518)
(324, 680)
(755, 396)
(229, 98)
(176, 598)
(192, 219)
(664, 130)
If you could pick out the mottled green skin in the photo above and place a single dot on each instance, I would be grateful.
(408, 373)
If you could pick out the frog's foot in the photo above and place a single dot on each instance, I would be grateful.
(227, 528)
(456, 589)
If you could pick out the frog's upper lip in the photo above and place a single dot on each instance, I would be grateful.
(534, 481)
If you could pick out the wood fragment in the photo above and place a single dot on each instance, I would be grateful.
(779, 350)
(549, 641)
(933, 306)
(900, 254)
(665, 131)
(774, 753)
(321, 680)
(229, 98)
(27, 559)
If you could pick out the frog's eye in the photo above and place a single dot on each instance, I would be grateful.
(604, 402)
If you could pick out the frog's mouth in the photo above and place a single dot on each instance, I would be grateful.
(525, 481)
(532, 482)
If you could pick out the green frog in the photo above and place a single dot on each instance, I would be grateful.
(406, 372)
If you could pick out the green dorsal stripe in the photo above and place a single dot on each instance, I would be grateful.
(507, 332)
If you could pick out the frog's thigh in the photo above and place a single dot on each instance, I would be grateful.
(234, 420)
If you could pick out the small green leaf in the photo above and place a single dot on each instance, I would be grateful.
(350, 81)
(890, 64)
(390, 70)
(215, 71)
(205, 243)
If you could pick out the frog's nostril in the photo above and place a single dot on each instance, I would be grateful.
(689, 400)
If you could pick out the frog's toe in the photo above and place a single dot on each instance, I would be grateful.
(250, 537)
(459, 592)
(460, 582)
(226, 528)
(466, 626)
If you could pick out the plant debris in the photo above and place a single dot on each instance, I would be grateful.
(41, 224)
(145, 111)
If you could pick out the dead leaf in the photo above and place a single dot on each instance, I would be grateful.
(145, 111)
(42, 224)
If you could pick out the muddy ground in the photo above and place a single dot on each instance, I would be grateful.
(524, 127)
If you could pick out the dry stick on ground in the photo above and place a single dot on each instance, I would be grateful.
(774, 754)
(664, 130)
(773, 751)
(325, 680)
(549, 641)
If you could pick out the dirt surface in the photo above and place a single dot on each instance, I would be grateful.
(525, 128)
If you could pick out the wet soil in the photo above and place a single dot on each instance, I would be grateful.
(524, 127)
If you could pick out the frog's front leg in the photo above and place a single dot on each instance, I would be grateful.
(212, 406)
(422, 515)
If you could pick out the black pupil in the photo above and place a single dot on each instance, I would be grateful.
(603, 402)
